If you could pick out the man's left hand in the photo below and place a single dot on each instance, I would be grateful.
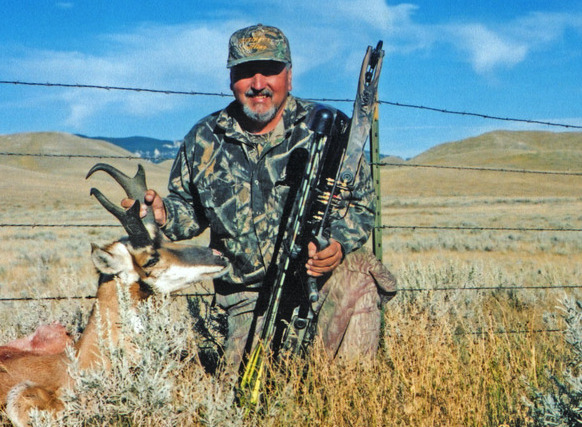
(324, 261)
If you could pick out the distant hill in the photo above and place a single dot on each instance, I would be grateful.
(558, 151)
(44, 177)
(156, 150)
(536, 151)
(159, 150)
(512, 149)
(41, 173)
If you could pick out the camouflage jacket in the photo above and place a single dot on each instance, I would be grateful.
(224, 180)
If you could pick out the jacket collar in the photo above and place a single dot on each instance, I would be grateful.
(293, 113)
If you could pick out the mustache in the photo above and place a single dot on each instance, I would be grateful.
(263, 92)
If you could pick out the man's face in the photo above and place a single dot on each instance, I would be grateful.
(261, 87)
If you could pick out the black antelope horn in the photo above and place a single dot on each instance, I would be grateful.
(135, 187)
(129, 219)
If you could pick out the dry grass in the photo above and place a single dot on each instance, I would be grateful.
(449, 358)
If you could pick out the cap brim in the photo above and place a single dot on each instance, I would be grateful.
(235, 62)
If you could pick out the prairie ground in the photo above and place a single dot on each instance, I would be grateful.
(451, 354)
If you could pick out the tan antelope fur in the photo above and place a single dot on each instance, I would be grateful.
(143, 262)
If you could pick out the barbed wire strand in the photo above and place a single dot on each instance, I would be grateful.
(84, 156)
(491, 288)
(483, 116)
(161, 159)
(499, 332)
(35, 225)
(465, 228)
(436, 289)
(478, 168)
(511, 332)
(406, 227)
(457, 333)
(120, 88)
(221, 94)
(87, 297)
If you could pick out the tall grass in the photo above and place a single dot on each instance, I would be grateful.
(152, 378)
(455, 357)
(560, 403)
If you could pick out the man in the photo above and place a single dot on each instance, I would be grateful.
(230, 175)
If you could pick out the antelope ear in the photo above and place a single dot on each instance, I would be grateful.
(111, 259)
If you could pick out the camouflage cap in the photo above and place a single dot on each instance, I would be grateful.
(258, 43)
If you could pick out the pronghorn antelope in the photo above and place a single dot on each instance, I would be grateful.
(144, 262)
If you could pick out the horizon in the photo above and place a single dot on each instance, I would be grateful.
(510, 60)
(126, 142)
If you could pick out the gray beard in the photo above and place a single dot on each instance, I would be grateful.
(260, 118)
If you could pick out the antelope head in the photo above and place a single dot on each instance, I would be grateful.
(146, 255)
(33, 372)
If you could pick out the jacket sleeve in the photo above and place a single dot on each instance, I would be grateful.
(353, 222)
(185, 215)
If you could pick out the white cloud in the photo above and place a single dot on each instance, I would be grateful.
(155, 52)
(342, 27)
(488, 50)
(80, 112)
(328, 39)
(181, 57)
(542, 28)
(507, 44)
(377, 13)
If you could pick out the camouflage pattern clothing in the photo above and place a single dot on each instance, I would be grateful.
(234, 182)
(258, 43)
(349, 311)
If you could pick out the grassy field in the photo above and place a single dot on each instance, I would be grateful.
(451, 355)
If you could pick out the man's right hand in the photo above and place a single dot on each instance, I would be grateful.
(153, 199)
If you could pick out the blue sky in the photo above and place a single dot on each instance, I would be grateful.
(511, 58)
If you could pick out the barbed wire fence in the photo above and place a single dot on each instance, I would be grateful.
(224, 95)
(381, 163)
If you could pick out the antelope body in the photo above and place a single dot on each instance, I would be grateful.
(143, 263)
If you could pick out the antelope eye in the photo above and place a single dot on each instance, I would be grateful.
(152, 261)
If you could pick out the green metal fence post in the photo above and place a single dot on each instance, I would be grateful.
(375, 160)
